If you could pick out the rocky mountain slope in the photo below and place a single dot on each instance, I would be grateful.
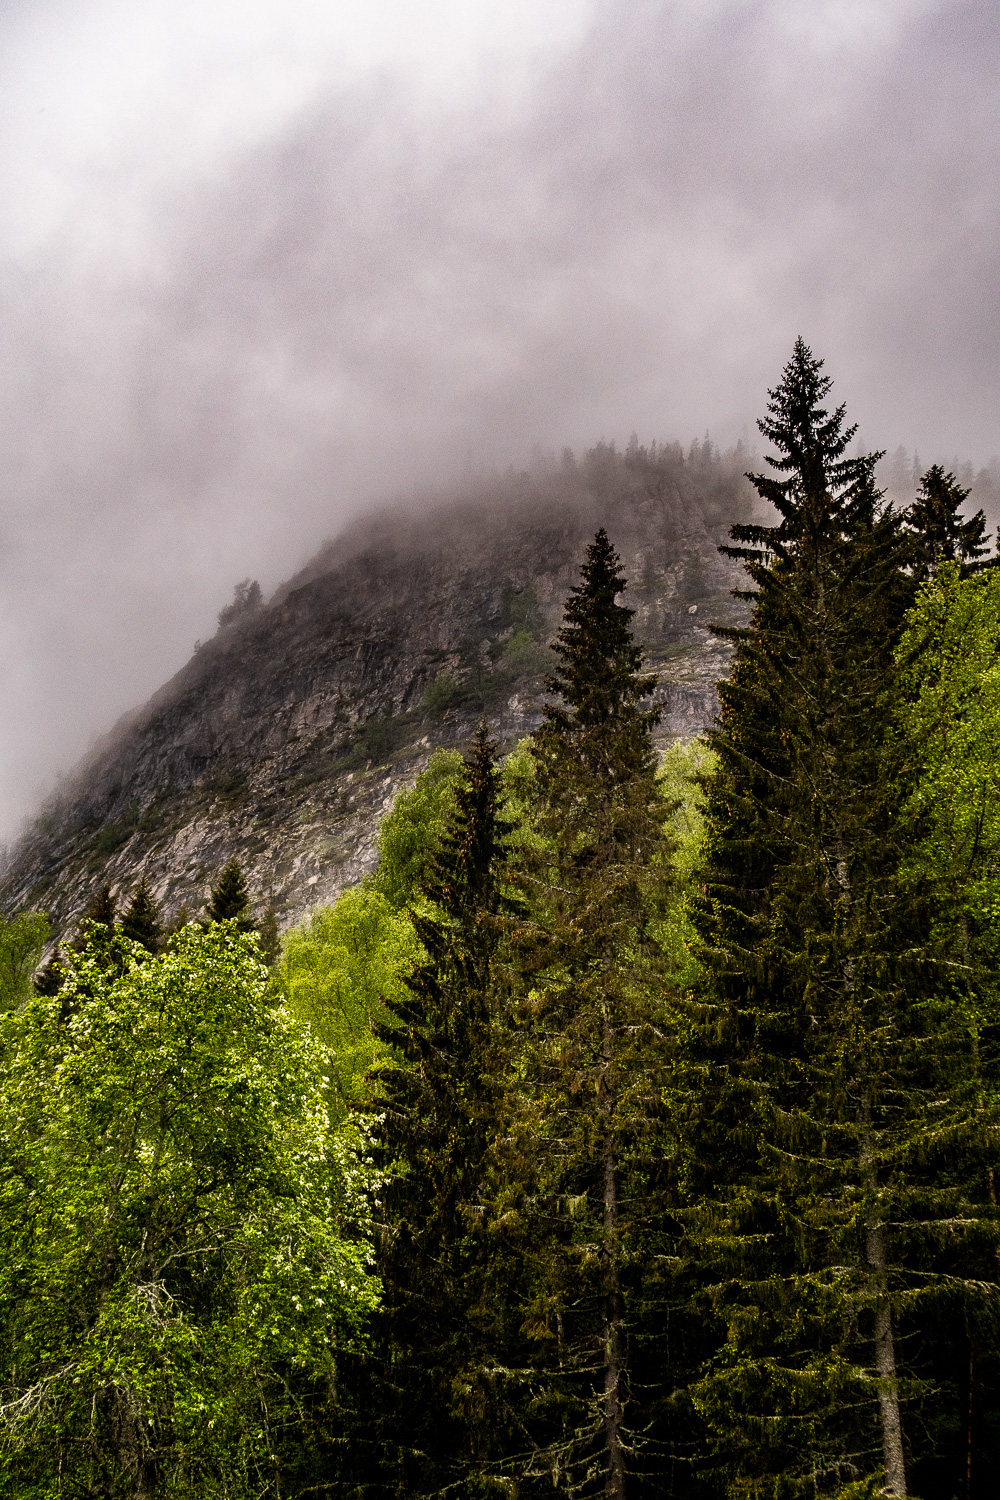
(285, 738)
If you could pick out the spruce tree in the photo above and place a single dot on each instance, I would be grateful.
(938, 532)
(439, 1117)
(230, 899)
(102, 909)
(599, 1035)
(141, 920)
(822, 1075)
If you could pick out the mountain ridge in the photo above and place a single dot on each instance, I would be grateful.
(284, 738)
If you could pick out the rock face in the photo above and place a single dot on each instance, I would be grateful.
(285, 738)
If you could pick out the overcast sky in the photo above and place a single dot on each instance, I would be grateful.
(264, 263)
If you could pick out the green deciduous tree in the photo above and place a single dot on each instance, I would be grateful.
(411, 831)
(339, 971)
(22, 940)
(181, 1239)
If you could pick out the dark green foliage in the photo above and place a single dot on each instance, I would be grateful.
(103, 909)
(230, 899)
(141, 919)
(440, 1113)
(829, 1080)
(599, 1039)
(938, 532)
(270, 938)
(49, 979)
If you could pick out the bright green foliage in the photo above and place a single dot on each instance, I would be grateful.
(140, 921)
(600, 1037)
(949, 718)
(339, 971)
(680, 782)
(230, 899)
(411, 831)
(440, 1109)
(21, 942)
(179, 1254)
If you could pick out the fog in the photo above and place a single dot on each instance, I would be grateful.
(264, 266)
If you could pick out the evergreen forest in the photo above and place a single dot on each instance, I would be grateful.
(631, 1131)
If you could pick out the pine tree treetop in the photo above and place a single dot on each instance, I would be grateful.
(599, 678)
(230, 897)
(141, 921)
(811, 442)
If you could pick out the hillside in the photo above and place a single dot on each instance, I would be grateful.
(286, 736)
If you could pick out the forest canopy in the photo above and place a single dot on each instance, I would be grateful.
(632, 1130)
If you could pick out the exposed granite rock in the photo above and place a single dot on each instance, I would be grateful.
(285, 738)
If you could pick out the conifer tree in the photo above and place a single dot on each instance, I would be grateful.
(599, 1032)
(103, 909)
(823, 1077)
(440, 1111)
(939, 534)
(141, 920)
(230, 899)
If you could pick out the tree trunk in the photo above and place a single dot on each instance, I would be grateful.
(885, 1364)
(885, 1349)
(614, 1351)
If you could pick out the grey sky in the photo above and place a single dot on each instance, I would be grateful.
(264, 264)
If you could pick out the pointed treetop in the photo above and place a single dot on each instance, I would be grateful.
(822, 485)
(463, 873)
(230, 898)
(601, 665)
(141, 921)
(938, 531)
(103, 908)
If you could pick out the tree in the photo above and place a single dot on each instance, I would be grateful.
(230, 900)
(247, 600)
(824, 1073)
(439, 1111)
(182, 1241)
(141, 920)
(338, 971)
(22, 940)
(599, 1029)
(102, 909)
(410, 833)
(948, 716)
(938, 532)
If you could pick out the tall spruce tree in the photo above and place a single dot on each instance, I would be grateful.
(141, 918)
(825, 1076)
(599, 1034)
(439, 1117)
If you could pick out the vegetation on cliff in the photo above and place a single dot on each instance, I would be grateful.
(630, 1130)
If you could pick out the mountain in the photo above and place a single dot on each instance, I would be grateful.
(285, 737)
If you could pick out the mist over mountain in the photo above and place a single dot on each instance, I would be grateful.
(287, 734)
(264, 267)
